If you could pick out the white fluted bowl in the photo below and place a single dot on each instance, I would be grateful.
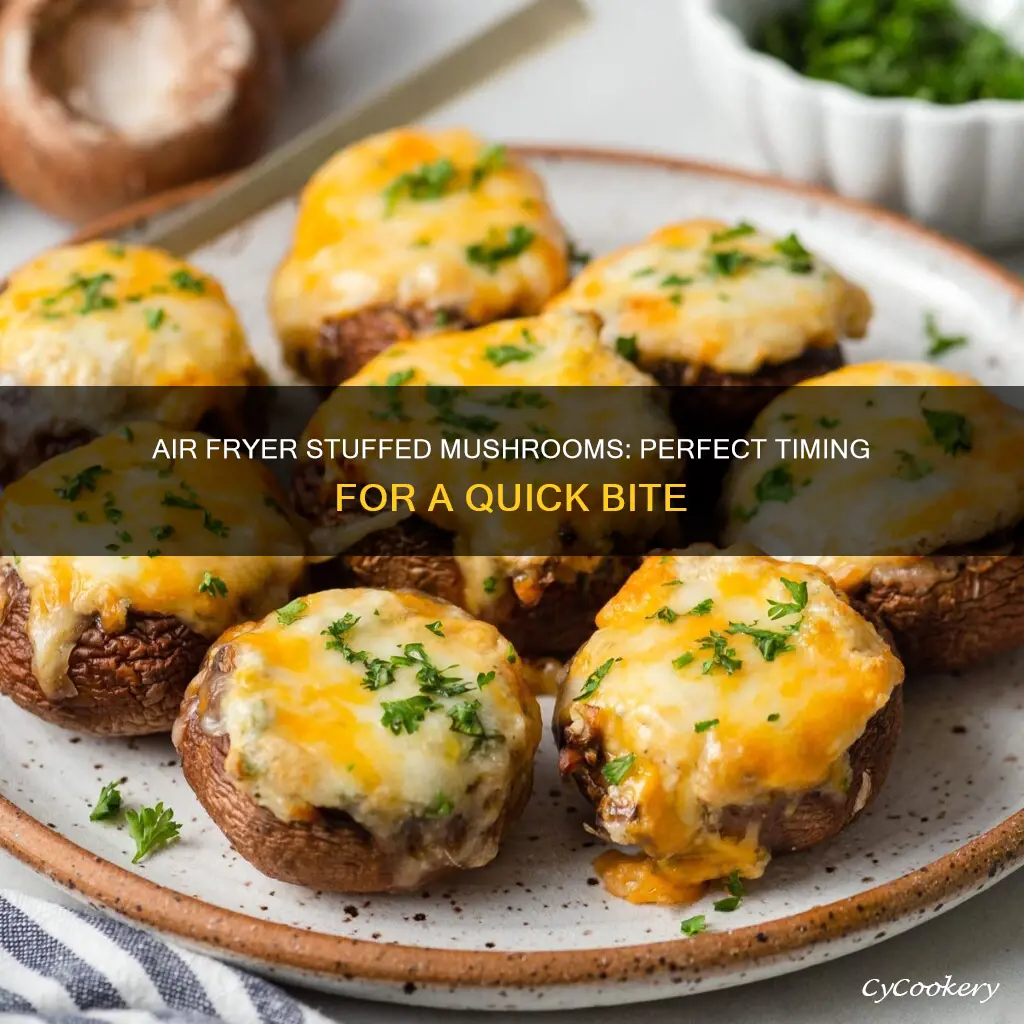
(959, 169)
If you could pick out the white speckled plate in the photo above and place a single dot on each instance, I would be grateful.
(534, 930)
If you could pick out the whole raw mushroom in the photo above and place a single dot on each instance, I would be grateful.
(106, 102)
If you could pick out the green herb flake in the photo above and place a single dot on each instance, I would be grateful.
(664, 614)
(800, 260)
(618, 768)
(693, 926)
(406, 715)
(84, 481)
(683, 660)
(496, 250)
(938, 343)
(722, 655)
(213, 585)
(910, 467)
(595, 678)
(950, 430)
(502, 355)
(492, 158)
(439, 807)
(109, 803)
(797, 603)
(152, 828)
(702, 608)
(185, 281)
(291, 612)
(627, 347)
(742, 230)
(705, 726)
(490, 585)
(436, 628)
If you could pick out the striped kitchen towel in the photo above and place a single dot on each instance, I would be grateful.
(69, 966)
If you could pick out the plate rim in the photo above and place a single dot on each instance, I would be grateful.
(938, 885)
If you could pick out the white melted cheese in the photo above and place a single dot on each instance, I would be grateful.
(67, 593)
(307, 733)
(363, 241)
(704, 738)
(669, 295)
(911, 497)
(108, 314)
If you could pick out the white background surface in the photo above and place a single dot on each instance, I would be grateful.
(622, 81)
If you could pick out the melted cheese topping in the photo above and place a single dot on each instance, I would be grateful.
(705, 738)
(917, 493)
(395, 219)
(109, 314)
(554, 350)
(726, 298)
(127, 498)
(307, 733)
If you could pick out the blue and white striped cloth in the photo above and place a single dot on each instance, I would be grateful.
(68, 966)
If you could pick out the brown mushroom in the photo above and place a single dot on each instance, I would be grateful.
(299, 22)
(109, 101)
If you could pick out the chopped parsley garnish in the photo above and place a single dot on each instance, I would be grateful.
(729, 263)
(184, 280)
(704, 726)
(484, 678)
(217, 527)
(213, 585)
(431, 678)
(154, 318)
(910, 467)
(578, 256)
(627, 347)
(683, 660)
(616, 770)
(510, 655)
(172, 500)
(722, 655)
(675, 281)
(800, 260)
(496, 250)
(110, 510)
(798, 593)
(493, 158)
(769, 642)
(394, 410)
(161, 532)
(827, 422)
(939, 343)
(428, 181)
(740, 231)
(702, 608)
(775, 485)
(733, 886)
(644, 272)
(500, 355)
(439, 807)
(152, 828)
(465, 719)
(84, 481)
(436, 628)
(109, 803)
(291, 612)
(774, 716)
(405, 715)
(490, 585)
(951, 431)
(693, 926)
(664, 614)
(595, 677)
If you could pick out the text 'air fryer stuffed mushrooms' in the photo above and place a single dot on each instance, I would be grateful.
(406, 234)
(925, 532)
(361, 741)
(539, 576)
(729, 308)
(154, 336)
(106, 643)
(729, 706)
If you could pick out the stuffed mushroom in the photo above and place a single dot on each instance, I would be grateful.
(93, 335)
(728, 308)
(539, 576)
(926, 531)
(120, 570)
(407, 234)
(361, 740)
(729, 706)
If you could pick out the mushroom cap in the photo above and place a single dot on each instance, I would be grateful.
(106, 102)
